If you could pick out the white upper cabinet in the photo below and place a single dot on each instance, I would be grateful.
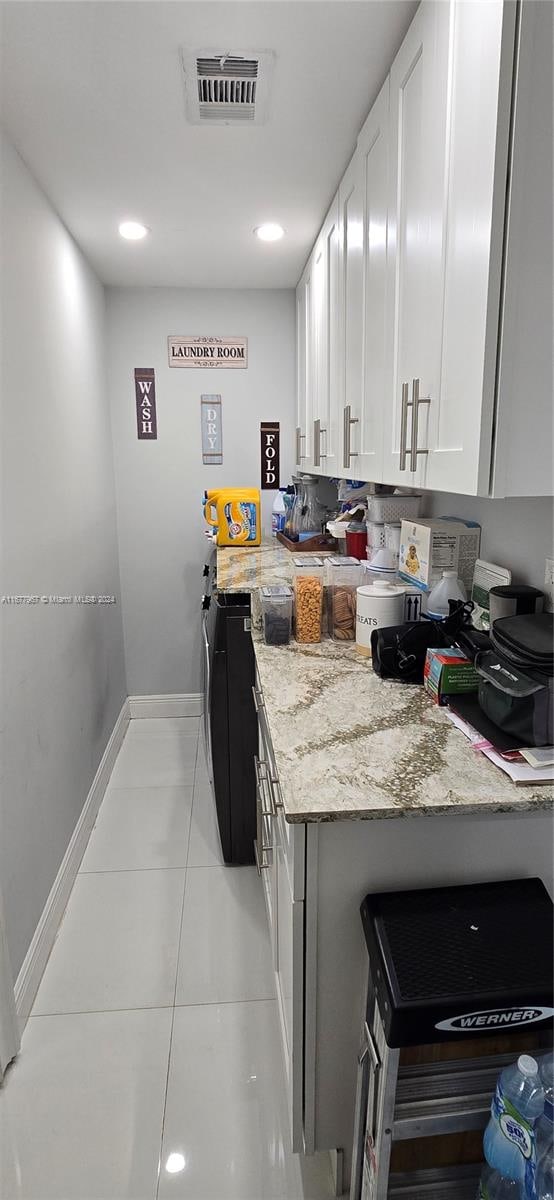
(351, 233)
(327, 373)
(479, 104)
(426, 326)
(305, 366)
(418, 116)
(373, 153)
(522, 458)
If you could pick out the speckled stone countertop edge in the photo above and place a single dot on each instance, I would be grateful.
(320, 687)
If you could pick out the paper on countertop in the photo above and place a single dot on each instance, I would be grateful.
(519, 772)
(539, 756)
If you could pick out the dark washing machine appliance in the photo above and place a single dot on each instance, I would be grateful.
(231, 726)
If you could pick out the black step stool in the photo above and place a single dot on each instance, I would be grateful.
(470, 967)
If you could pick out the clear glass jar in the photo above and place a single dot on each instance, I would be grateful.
(276, 603)
(344, 576)
(313, 513)
(308, 597)
(295, 520)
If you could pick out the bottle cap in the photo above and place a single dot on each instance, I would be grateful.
(527, 1065)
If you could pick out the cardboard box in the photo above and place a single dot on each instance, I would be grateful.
(448, 672)
(429, 547)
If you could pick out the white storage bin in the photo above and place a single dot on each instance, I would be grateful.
(392, 508)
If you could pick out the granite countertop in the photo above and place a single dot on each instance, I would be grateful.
(245, 570)
(349, 745)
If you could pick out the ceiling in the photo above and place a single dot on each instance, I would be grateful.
(92, 96)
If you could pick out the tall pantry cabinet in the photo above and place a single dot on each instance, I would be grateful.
(435, 234)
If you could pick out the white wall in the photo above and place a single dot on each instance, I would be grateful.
(63, 671)
(516, 533)
(160, 483)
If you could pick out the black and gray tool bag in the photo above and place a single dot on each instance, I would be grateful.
(516, 678)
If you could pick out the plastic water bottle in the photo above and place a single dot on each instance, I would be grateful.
(448, 588)
(544, 1135)
(517, 1103)
(278, 513)
(493, 1186)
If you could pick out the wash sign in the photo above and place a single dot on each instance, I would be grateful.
(208, 352)
(145, 396)
(212, 440)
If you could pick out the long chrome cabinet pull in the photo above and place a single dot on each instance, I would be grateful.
(348, 420)
(322, 429)
(416, 401)
(272, 776)
(300, 437)
(317, 442)
(404, 427)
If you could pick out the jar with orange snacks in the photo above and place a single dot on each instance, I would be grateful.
(308, 597)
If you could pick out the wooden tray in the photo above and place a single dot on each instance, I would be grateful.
(314, 545)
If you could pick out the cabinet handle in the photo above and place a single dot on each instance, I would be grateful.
(317, 442)
(347, 422)
(300, 437)
(322, 429)
(404, 426)
(416, 401)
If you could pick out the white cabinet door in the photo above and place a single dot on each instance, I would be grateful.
(351, 231)
(327, 392)
(290, 992)
(265, 849)
(373, 151)
(479, 105)
(418, 120)
(305, 367)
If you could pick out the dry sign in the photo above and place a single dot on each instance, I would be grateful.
(145, 396)
(270, 455)
(211, 352)
(212, 447)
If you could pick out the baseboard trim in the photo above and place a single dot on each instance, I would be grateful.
(186, 705)
(35, 960)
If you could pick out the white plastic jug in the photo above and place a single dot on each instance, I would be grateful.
(448, 588)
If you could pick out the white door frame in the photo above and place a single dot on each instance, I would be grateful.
(9, 1028)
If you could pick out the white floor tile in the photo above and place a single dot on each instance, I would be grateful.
(82, 1107)
(224, 951)
(204, 843)
(117, 945)
(225, 1114)
(187, 726)
(140, 829)
(155, 760)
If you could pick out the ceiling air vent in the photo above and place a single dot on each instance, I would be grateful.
(226, 89)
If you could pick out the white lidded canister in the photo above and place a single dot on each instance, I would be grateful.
(378, 605)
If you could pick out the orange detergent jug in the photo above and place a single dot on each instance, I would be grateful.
(235, 515)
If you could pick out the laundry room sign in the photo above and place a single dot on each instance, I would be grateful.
(145, 396)
(211, 352)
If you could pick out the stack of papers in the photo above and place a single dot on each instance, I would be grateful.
(520, 772)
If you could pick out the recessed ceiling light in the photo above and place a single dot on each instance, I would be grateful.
(175, 1163)
(270, 232)
(133, 231)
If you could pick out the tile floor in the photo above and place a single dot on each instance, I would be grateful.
(151, 1066)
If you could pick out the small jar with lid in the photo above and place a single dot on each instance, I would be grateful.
(308, 597)
(344, 576)
(276, 603)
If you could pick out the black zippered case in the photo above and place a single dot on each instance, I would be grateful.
(516, 678)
